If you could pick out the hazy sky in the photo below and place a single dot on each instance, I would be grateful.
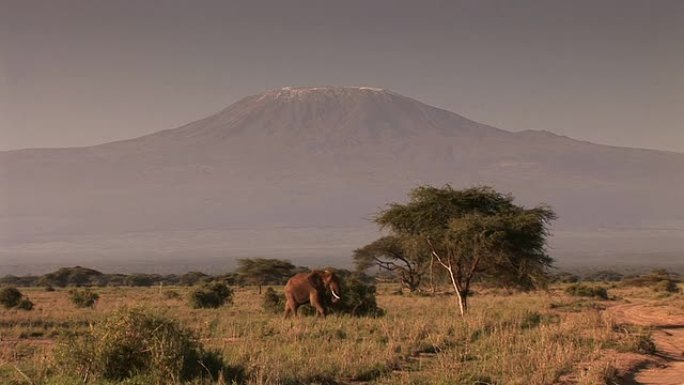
(90, 71)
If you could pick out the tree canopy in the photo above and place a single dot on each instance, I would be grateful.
(263, 271)
(402, 256)
(475, 232)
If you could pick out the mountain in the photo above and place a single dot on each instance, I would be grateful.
(301, 170)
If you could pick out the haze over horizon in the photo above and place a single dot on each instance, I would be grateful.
(78, 73)
(296, 172)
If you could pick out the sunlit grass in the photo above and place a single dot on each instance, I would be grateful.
(520, 338)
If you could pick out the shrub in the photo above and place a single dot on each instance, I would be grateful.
(83, 298)
(579, 290)
(171, 294)
(358, 297)
(25, 304)
(211, 295)
(49, 288)
(273, 302)
(10, 297)
(666, 286)
(135, 344)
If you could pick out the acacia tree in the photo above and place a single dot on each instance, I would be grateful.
(476, 232)
(402, 256)
(262, 271)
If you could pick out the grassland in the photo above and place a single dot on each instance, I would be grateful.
(507, 338)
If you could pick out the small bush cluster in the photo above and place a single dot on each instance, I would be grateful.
(137, 345)
(273, 302)
(211, 295)
(580, 290)
(83, 298)
(11, 297)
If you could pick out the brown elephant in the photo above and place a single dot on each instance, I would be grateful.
(309, 287)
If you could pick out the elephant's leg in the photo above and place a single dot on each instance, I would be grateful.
(290, 305)
(316, 303)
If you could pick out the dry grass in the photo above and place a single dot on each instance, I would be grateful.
(533, 338)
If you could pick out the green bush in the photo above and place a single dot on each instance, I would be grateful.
(273, 302)
(358, 297)
(140, 347)
(10, 297)
(211, 295)
(579, 290)
(83, 298)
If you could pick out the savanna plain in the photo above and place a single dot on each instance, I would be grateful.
(541, 337)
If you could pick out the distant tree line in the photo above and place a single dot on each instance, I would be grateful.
(251, 271)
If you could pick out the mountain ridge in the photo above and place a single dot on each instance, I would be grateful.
(288, 92)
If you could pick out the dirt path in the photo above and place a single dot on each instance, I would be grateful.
(668, 337)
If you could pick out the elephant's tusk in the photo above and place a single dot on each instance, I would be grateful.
(334, 295)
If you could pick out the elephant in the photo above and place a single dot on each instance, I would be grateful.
(309, 287)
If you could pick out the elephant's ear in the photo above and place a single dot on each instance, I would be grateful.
(315, 279)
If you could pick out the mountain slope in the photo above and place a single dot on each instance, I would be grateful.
(320, 157)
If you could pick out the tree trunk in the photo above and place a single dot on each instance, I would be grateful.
(411, 283)
(463, 301)
(461, 294)
(259, 288)
(432, 274)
